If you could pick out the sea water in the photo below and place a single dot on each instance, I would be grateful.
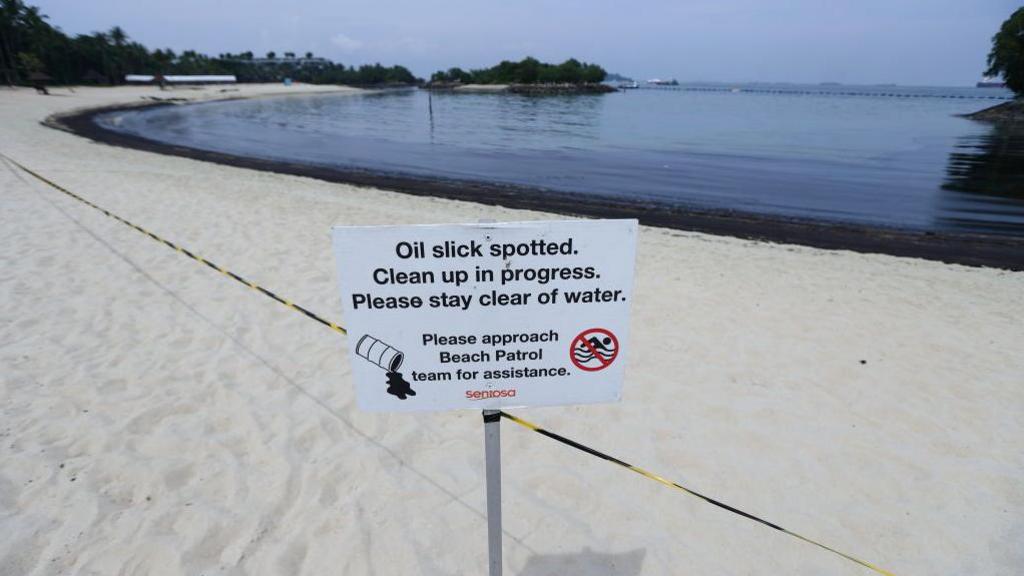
(885, 156)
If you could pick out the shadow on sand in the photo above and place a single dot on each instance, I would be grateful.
(585, 563)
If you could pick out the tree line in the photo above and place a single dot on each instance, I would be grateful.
(1007, 55)
(526, 71)
(30, 49)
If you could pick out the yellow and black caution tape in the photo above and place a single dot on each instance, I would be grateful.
(520, 421)
(174, 246)
(677, 486)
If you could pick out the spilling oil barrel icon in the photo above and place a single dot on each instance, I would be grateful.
(379, 353)
(389, 358)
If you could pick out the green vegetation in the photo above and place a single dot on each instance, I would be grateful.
(1007, 55)
(309, 69)
(31, 48)
(526, 71)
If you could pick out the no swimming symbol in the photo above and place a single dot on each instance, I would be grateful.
(594, 349)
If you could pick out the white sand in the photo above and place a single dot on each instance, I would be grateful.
(156, 418)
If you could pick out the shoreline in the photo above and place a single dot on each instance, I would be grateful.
(1010, 113)
(966, 249)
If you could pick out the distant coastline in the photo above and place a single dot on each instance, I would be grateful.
(957, 248)
(1008, 112)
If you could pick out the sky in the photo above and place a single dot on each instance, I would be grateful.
(910, 42)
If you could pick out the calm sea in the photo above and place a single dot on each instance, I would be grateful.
(888, 156)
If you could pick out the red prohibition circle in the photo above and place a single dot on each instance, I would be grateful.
(581, 338)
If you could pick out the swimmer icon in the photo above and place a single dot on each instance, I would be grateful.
(388, 358)
(594, 349)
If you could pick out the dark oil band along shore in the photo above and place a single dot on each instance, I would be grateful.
(528, 425)
(952, 248)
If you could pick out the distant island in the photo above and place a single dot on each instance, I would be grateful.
(528, 76)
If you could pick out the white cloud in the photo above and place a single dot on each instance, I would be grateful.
(346, 43)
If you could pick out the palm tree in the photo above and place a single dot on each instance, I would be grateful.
(117, 36)
(15, 16)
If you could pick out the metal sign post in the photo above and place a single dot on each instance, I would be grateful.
(487, 316)
(492, 451)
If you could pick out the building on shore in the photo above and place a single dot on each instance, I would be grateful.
(991, 82)
(296, 61)
(181, 78)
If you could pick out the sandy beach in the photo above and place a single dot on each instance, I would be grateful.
(156, 418)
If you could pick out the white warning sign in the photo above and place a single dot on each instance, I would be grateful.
(487, 316)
